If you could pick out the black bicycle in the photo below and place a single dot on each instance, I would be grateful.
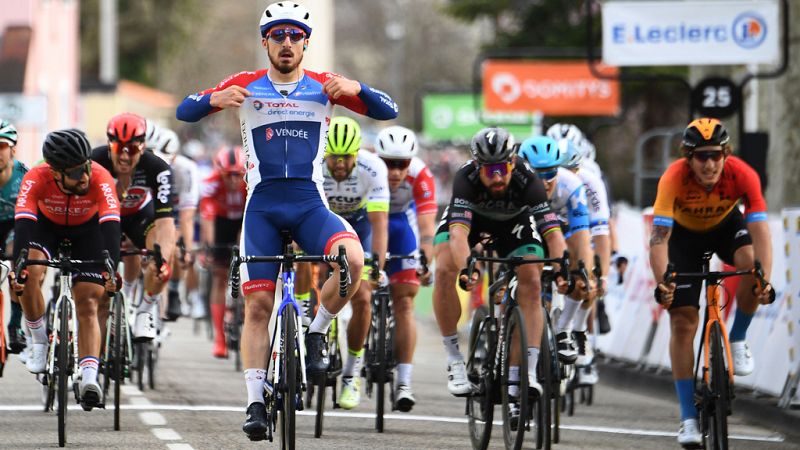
(492, 342)
(118, 350)
(62, 358)
(317, 389)
(572, 375)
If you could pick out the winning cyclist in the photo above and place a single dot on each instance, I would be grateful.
(144, 185)
(412, 222)
(68, 197)
(284, 113)
(11, 173)
(494, 193)
(221, 210)
(696, 211)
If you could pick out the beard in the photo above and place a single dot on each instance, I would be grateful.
(283, 67)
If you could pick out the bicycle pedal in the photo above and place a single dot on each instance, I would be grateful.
(257, 437)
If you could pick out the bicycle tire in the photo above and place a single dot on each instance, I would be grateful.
(719, 391)
(544, 407)
(151, 367)
(556, 371)
(139, 358)
(321, 383)
(119, 360)
(289, 378)
(63, 370)
(381, 363)
(514, 325)
(480, 406)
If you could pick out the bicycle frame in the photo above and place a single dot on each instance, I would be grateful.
(65, 294)
(288, 301)
(713, 314)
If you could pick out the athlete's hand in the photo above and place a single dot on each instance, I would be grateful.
(664, 294)
(467, 282)
(230, 97)
(13, 283)
(764, 295)
(426, 278)
(338, 86)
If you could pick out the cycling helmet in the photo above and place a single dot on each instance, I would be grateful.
(344, 137)
(587, 149)
(151, 132)
(165, 144)
(8, 132)
(126, 127)
(63, 149)
(704, 132)
(492, 145)
(542, 152)
(569, 131)
(285, 12)
(572, 154)
(229, 160)
(396, 142)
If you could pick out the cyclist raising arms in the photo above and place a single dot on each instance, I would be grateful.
(494, 193)
(284, 113)
(696, 211)
(68, 197)
(221, 211)
(412, 215)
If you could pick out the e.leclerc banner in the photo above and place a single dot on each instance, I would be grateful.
(452, 117)
(654, 33)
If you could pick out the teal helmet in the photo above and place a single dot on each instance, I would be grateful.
(8, 132)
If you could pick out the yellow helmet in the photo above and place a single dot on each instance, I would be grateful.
(344, 137)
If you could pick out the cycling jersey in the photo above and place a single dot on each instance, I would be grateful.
(9, 191)
(284, 136)
(151, 183)
(187, 183)
(218, 201)
(568, 200)
(366, 187)
(682, 199)
(597, 201)
(417, 192)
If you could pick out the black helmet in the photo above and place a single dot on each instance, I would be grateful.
(492, 145)
(705, 131)
(63, 149)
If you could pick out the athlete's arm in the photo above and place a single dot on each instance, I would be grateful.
(359, 97)
(108, 211)
(187, 225)
(26, 211)
(380, 235)
(229, 93)
(424, 191)
(460, 220)
(164, 225)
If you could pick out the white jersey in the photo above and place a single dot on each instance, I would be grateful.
(597, 199)
(367, 187)
(187, 182)
(569, 203)
(591, 166)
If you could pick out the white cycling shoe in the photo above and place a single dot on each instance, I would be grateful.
(743, 363)
(145, 327)
(689, 434)
(457, 381)
(37, 358)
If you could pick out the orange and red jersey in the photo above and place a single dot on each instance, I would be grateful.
(217, 201)
(39, 194)
(682, 199)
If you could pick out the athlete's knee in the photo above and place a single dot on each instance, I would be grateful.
(258, 307)
(403, 306)
(683, 324)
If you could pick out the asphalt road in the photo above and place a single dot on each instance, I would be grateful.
(199, 403)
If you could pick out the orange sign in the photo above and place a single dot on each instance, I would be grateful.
(556, 88)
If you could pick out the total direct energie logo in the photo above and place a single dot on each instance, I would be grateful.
(749, 30)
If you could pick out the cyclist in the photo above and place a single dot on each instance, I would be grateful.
(221, 211)
(284, 113)
(11, 173)
(144, 186)
(494, 193)
(412, 216)
(696, 210)
(567, 197)
(68, 197)
(165, 144)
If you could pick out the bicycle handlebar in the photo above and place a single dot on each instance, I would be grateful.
(757, 271)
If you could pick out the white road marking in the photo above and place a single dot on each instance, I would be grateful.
(140, 401)
(179, 447)
(129, 390)
(152, 418)
(411, 417)
(166, 434)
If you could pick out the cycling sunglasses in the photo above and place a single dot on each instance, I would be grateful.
(132, 147)
(502, 169)
(705, 155)
(401, 164)
(548, 174)
(76, 173)
(279, 35)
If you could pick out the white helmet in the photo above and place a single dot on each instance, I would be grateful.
(588, 149)
(396, 142)
(569, 131)
(166, 144)
(285, 12)
(150, 133)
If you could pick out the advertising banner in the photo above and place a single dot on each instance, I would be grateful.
(555, 88)
(654, 33)
(452, 117)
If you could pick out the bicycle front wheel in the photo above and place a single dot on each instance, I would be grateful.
(289, 377)
(515, 342)
(62, 371)
(543, 406)
(480, 405)
(119, 359)
(719, 392)
(381, 363)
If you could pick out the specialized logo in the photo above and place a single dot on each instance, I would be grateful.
(749, 30)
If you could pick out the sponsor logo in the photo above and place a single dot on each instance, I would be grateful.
(344, 199)
(196, 97)
(291, 132)
(507, 87)
(22, 197)
(269, 133)
(108, 193)
(282, 105)
(740, 233)
(164, 187)
(257, 105)
(749, 30)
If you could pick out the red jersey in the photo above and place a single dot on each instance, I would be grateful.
(39, 194)
(217, 201)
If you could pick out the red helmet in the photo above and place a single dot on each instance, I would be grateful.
(126, 127)
(229, 160)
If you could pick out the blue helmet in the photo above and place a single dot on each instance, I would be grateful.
(572, 153)
(542, 152)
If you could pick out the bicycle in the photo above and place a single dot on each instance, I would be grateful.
(289, 354)
(379, 360)
(714, 393)
(62, 361)
(3, 343)
(489, 360)
(326, 379)
(586, 391)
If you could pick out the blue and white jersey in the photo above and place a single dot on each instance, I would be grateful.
(597, 201)
(569, 202)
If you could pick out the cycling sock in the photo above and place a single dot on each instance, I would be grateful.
(579, 321)
(217, 317)
(255, 379)
(16, 315)
(128, 288)
(148, 301)
(567, 314)
(451, 345)
(685, 390)
(352, 365)
(739, 329)
(533, 360)
(38, 330)
(321, 321)
(404, 374)
(304, 300)
(88, 366)
(513, 376)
